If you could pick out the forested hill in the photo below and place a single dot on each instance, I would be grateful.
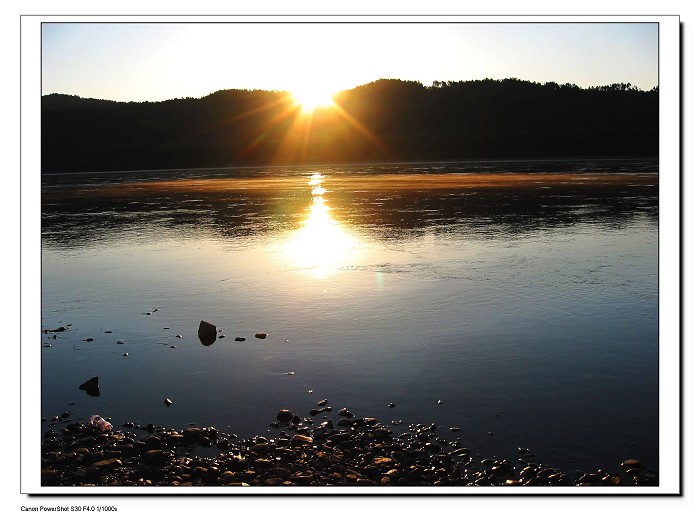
(387, 120)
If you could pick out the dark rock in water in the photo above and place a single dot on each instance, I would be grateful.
(285, 416)
(167, 402)
(239, 339)
(631, 463)
(89, 339)
(392, 405)
(91, 387)
(206, 333)
(322, 402)
(222, 336)
(260, 334)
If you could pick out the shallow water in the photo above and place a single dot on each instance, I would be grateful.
(522, 295)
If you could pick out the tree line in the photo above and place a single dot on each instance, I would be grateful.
(386, 120)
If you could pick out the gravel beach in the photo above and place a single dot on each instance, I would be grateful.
(321, 448)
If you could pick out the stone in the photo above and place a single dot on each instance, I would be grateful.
(206, 333)
(631, 463)
(301, 439)
(239, 339)
(108, 463)
(91, 387)
(260, 335)
(284, 416)
(167, 402)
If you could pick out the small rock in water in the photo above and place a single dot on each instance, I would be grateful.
(284, 415)
(392, 405)
(167, 402)
(89, 339)
(290, 372)
(125, 355)
(455, 429)
(91, 387)
(439, 401)
(261, 335)
(239, 339)
(322, 402)
(178, 336)
(222, 336)
(120, 342)
(173, 347)
(108, 331)
(206, 333)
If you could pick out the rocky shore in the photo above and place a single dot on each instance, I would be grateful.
(340, 450)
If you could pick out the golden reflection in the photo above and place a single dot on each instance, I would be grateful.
(322, 244)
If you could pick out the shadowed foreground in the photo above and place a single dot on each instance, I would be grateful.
(352, 451)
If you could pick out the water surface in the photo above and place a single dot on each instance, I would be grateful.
(521, 295)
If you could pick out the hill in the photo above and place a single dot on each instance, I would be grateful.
(386, 120)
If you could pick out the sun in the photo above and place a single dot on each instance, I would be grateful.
(313, 97)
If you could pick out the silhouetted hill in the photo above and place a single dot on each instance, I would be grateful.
(386, 120)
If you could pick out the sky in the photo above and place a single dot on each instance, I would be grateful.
(161, 61)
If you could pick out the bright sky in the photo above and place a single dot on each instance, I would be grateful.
(160, 61)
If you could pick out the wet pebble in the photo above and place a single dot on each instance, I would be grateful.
(285, 416)
(261, 335)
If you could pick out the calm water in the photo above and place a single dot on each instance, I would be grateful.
(524, 296)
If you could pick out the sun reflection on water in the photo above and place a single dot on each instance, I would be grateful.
(322, 244)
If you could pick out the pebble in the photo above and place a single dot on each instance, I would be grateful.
(284, 416)
(392, 405)
(260, 334)
(167, 402)
(362, 452)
